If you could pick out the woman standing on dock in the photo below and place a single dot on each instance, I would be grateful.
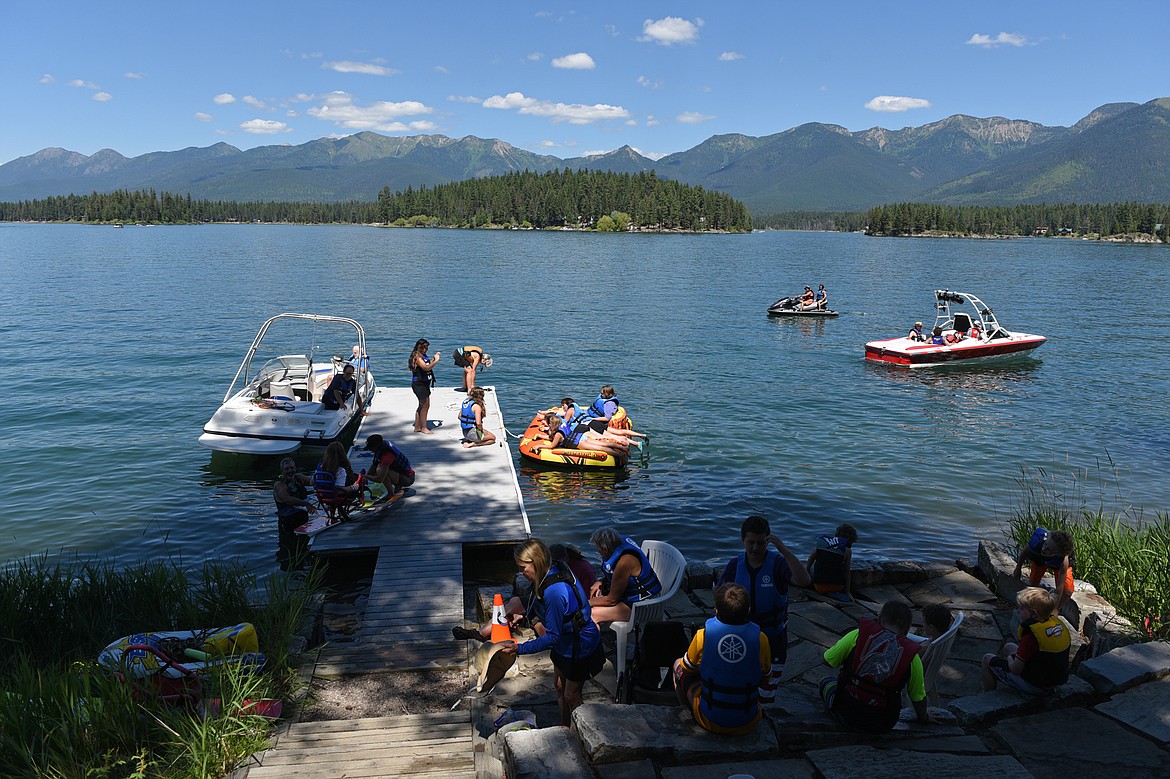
(421, 381)
(573, 640)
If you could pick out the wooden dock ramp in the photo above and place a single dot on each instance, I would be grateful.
(461, 496)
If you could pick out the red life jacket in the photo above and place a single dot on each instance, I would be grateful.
(879, 665)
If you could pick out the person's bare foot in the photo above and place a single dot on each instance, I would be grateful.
(427, 430)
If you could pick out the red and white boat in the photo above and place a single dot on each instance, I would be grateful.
(969, 332)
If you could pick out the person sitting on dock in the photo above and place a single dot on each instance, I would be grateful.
(341, 388)
(572, 638)
(916, 333)
(720, 687)
(766, 575)
(471, 417)
(335, 481)
(391, 467)
(821, 299)
(876, 661)
(571, 435)
(627, 577)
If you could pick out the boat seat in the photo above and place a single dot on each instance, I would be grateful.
(962, 322)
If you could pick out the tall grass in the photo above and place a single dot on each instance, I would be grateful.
(63, 717)
(1124, 554)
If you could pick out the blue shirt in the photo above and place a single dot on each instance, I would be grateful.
(559, 606)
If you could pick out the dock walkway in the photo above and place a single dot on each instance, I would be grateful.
(460, 496)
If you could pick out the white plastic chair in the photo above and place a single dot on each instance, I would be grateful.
(935, 655)
(670, 566)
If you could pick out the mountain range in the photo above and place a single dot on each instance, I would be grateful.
(1119, 152)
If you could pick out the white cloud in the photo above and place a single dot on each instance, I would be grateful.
(670, 30)
(223, 132)
(103, 97)
(441, 69)
(134, 75)
(1003, 39)
(224, 98)
(535, 56)
(573, 113)
(263, 127)
(612, 30)
(652, 121)
(465, 99)
(891, 104)
(87, 84)
(291, 114)
(339, 108)
(645, 82)
(203, 117)
(302, 97)
(578, 61)
(253, 101)
(693, 117)
(547, 144)
(46, 79)
(730, 56)
(368, 68)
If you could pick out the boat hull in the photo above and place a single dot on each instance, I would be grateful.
(912, 354)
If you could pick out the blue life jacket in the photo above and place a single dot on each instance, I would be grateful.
(572, 433)
(641, 587)
(325, 483)
(820, 295)
(937, 340)
(769, 605)
(829, 565)
(730, 673)
(467, 415)
(597, 408)
(400, 463)
(1036, 543)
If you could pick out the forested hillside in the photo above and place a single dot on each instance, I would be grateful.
(582, 199)
(1052, 220)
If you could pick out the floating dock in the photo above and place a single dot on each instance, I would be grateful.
(461, 499)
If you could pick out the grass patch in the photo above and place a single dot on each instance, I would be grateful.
(63, 716)
(1124, 554)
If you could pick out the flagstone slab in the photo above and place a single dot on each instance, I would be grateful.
(881, 593)
(1004, 702)
(963, 587)
(1079, 742)
(1126, 666)
(1145, 708)
(863, 762)
(758, 769)
(825, 615)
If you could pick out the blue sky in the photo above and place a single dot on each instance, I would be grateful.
(559, 79)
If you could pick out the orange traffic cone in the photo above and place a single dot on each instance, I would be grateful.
(500, 629)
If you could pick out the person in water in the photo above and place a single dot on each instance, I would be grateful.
(293, 507)
(627, 577)
(422, 379)
(767, 575)
(916, 333)
(721, 688)
(471, 417)
(571, 636)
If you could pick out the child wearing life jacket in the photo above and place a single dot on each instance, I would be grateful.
(830, 563)
(876, 662)
(1039, 662)
(720, 687)
(1049, 550)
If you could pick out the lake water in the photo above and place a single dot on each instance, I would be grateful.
(121, 343)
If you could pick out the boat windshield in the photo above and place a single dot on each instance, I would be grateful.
(286, 367)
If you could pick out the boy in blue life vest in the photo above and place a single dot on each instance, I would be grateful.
(830, 563)
(1039, 662)
(766, 575)
(719, 677)
(876, 661)
(1049, 550)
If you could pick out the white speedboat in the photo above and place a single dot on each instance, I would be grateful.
(273, 405)
(969, 331)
